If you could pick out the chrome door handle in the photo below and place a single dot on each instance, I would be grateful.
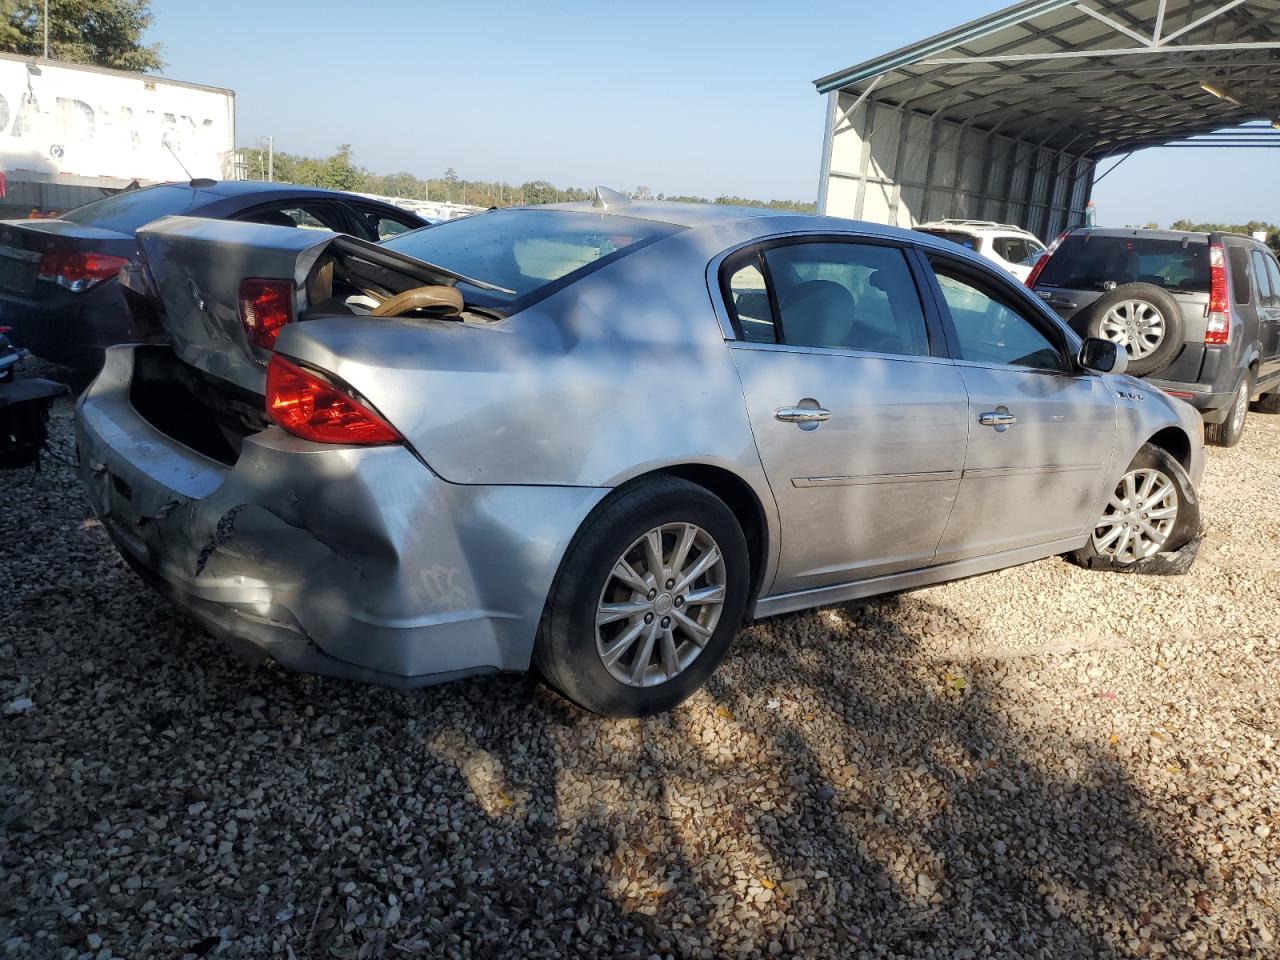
(997, 419)
(801, 414)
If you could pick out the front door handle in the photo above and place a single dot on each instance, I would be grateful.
(801, 414)
(997, 418)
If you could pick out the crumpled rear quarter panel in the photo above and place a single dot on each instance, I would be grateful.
(379, 562)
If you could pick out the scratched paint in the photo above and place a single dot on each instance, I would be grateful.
(60, 120)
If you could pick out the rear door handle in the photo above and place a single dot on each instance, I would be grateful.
(801, 414)
(995, 419)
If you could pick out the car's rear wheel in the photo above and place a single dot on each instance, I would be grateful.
(1153, 509)
(1230, 430)
(647, 600)
(1143, 319)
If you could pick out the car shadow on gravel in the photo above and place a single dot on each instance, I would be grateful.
(832, 793)
(938, 824)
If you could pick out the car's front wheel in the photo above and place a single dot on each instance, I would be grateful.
(1153, 509)
(647, 599)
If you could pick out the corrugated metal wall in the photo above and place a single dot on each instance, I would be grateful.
(888, 165)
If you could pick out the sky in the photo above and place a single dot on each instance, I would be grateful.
(695, 97)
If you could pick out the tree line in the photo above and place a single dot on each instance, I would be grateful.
(1248, 229)
(340, 172)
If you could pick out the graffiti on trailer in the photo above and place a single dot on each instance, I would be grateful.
(120, 130)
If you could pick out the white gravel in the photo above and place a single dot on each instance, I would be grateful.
(1041, 762)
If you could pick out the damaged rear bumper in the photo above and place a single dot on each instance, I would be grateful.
(356, 562)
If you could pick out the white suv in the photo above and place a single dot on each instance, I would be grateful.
(1011, 247)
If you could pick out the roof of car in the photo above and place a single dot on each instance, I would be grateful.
(1136, 232)
(237, 188)
(677, 214)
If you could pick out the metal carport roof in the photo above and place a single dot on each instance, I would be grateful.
(1008, 118)
(1097, 77)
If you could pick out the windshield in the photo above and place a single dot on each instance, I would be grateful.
(532, 252)
(1088, 262)
(125, 212)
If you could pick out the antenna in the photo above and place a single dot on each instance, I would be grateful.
(169, 146)
(603, 198)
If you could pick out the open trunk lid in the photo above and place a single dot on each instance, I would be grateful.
(194, 268)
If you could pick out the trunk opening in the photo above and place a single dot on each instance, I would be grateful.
(199, 411)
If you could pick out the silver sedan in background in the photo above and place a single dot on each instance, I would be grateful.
(596, 438)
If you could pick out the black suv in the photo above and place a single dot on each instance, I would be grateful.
(1199, 313)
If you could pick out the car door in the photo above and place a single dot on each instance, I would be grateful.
(1267, 276)
(859, 424)
(1040, 432)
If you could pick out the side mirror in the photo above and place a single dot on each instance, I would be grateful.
(1103, 356)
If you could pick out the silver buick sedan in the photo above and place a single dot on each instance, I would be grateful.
(596, 438)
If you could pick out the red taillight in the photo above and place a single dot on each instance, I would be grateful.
(265, 307)
(311, 407)
(1218, 330)
(1044, 259)
(79, 271)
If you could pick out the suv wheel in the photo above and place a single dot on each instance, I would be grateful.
(1143, 319)
(647, 600)
(1229, 431)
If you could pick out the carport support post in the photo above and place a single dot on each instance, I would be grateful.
(824, 175)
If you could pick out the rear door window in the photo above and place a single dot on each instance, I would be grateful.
(383, 224)
(847, 296)
(1267, 293)
(1012, 249)
(309, 216)
(1089, 262)
(1273, 271)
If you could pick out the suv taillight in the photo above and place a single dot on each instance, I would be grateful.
(1218, 330)
(78, 271)
(1044, 259)
(265, 307)
(309, 406)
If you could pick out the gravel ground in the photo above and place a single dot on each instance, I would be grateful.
(1041, 762)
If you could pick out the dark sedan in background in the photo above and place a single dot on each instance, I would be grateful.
(58, 278)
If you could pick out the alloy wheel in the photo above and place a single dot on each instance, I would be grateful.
(1241, 409)
(1139, 517)
(1136, 325)
(660, 604)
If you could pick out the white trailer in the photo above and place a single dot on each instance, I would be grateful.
(71, 133)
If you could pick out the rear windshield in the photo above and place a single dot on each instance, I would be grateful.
(1088, 262)
(966, 240)
(127, 211)
(532, 252)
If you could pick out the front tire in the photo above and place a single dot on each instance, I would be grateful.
(647, 600)
(1153, 510)
(1229, 431)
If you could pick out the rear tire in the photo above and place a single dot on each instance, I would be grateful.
(1111, 544)
(601, 666)
(1144, 311)
(1229, 431)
